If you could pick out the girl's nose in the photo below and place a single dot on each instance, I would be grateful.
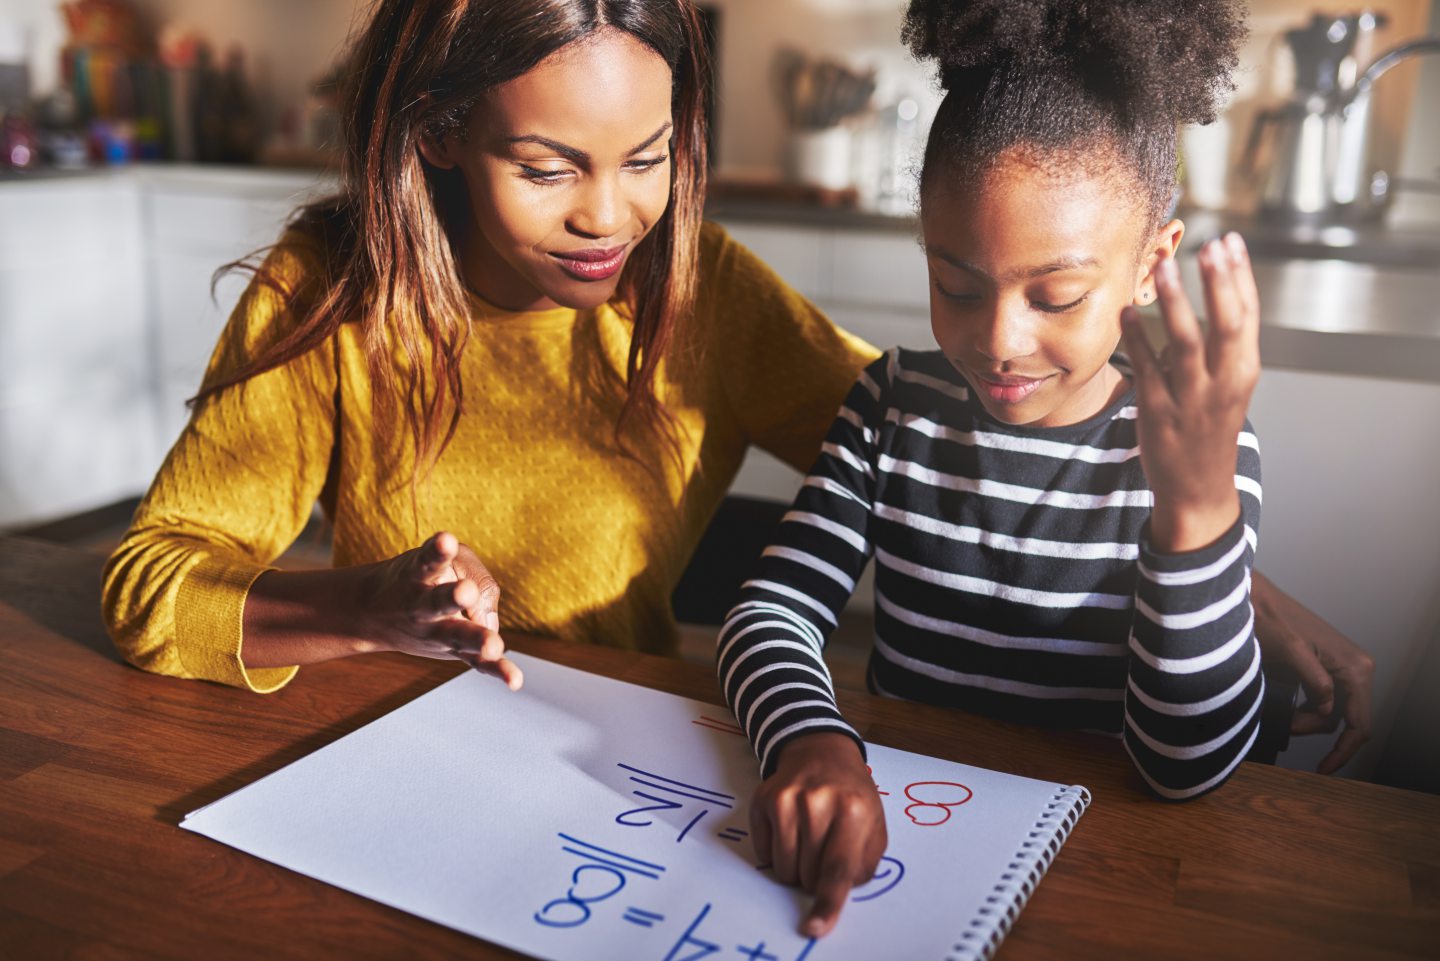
(1005, 333)
(600, 212)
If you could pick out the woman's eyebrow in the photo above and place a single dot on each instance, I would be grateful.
(575, 153)
(649, 141)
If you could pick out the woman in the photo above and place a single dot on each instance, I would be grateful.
(510, 326)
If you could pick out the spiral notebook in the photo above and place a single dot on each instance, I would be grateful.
(584, 819)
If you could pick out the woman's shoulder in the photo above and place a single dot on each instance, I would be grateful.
(730, 264)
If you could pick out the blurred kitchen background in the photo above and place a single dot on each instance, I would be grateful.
(143, 143)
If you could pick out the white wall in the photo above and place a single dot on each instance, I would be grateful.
(1351, 521)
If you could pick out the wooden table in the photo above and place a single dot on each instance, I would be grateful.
(99, 761)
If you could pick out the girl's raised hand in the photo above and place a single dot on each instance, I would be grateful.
(437, 600)
(818, 823)
(1191, 410)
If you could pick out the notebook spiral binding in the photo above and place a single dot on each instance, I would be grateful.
(1022, 875)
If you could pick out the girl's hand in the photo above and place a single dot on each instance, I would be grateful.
(437, 600)
(818, 822)
(1192, 410)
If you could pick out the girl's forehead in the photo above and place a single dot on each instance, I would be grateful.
(1028, 210)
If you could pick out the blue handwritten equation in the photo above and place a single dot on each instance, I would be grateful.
(602, 873)
(667, 794)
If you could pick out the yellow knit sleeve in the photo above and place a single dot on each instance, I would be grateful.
(786, 366)
(234, 492)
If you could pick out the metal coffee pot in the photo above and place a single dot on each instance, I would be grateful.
(1319, 144)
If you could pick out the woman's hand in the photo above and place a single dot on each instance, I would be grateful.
(1191, 411)
(1336, 674)
(437, 600)
(817, 821)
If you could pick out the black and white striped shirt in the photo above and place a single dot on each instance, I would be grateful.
(1013, 579)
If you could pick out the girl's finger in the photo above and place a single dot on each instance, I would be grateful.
(784, 846)
(1150, 384)
(761, 834)
(1245, 284)
(434, 557)
(840, 870)
(1186, 341)
(813, 829)
(1223, 305)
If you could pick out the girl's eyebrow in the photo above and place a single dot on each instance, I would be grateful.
(579, 156)
(1023, 273)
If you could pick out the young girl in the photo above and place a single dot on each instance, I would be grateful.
(1060, 537)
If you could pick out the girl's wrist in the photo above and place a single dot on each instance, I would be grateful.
(1183, 528)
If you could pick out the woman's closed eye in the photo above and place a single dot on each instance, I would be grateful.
(555, 175)
(645, 164)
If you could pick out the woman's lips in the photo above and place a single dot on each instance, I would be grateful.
(592, 264)
(1008, 389)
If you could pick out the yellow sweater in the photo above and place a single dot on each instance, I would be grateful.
(586, 544)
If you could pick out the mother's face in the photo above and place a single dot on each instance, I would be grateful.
(567, 168)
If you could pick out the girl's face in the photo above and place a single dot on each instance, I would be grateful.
(567, 168)
(1028, 274)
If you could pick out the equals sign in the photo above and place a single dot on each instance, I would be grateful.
(733, 834)
(646, 919)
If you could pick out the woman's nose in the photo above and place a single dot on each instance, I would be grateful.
(600, 212)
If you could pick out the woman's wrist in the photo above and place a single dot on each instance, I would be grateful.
(303, 617)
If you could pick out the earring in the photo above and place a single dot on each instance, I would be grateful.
(1144, 296)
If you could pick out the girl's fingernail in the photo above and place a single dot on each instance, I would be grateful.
(492, 621)
(1236, 245)
(1166, 269)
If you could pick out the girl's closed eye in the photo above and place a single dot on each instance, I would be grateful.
(959, 296)
(1058, 305)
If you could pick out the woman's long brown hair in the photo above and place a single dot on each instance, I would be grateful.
(389, 235)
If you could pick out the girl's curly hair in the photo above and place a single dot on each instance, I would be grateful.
(1093, 82)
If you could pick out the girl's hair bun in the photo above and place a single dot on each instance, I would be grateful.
(1160, 60)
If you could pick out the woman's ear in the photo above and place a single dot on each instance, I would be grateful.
(439, 150)
(1164, 244)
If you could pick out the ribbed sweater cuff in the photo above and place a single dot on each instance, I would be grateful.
(209, 614)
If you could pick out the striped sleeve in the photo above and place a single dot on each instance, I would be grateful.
(769, 654)
(1194, 686)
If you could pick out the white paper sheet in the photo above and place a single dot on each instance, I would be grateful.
(584, 819)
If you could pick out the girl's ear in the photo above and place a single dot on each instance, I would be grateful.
(1164, 244)
(439, 151)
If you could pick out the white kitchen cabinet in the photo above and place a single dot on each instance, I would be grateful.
(107, 320)
(76, 403)
(200, 220)
(1351, 520)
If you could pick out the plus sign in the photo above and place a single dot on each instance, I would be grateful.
(757, 953)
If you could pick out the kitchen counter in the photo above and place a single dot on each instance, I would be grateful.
(1363, 302)
(1370, 309)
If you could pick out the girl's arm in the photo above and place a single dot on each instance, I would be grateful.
(816, 819)
(1192, 704)
(769, 655)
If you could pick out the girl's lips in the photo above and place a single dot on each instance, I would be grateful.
(1009, 390)
(593, 264)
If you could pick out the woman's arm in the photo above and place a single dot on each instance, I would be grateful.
(437, 600)
(1335, 673)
